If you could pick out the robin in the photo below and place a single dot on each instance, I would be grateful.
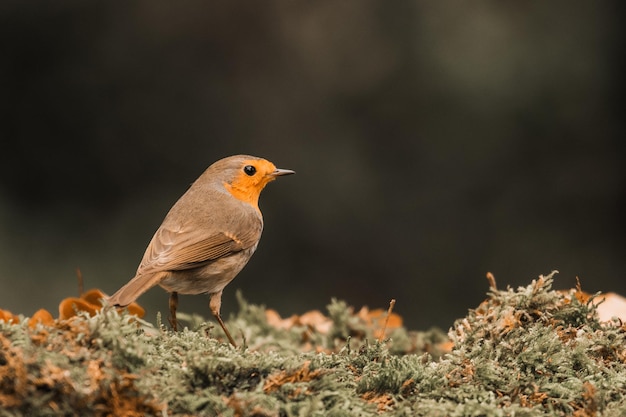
(207, 237)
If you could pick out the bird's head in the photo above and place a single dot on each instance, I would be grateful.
(244, 176)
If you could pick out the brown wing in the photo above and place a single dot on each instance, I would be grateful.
(175, 250)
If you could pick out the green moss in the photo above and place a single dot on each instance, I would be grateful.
(524, 352)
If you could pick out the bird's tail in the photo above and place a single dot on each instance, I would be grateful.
(134, 288)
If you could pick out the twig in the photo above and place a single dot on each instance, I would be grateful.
(389, 310)
(81, 288)
(492, 281)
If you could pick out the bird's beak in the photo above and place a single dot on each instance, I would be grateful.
(280, 172)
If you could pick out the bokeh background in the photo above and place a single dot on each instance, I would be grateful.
(433, 142)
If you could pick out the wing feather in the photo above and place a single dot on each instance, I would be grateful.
(180, 249)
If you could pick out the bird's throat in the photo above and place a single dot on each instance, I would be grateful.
(248, 195)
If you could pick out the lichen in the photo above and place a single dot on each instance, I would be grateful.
(528, 351)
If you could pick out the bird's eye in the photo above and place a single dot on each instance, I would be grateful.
(249, 170)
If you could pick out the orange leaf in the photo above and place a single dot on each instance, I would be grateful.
(69, 306)
(316, 320)
(136, 310)
(91, 302)
(94, 297)
(7, 316)
(42, 316)
(274, 320)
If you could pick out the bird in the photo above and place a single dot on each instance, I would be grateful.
(207, 237)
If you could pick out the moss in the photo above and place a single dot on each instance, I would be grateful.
(57, 370)
(525, 352)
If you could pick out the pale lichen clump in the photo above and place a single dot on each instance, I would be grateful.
(523, 352)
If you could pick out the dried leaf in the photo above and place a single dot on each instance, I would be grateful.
(611, 305)
(7, 316)
(70, 306)
(41, 316)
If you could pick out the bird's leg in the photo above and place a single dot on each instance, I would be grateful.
(215, 303)
(173, 307)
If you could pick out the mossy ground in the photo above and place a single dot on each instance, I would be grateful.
(524, 352)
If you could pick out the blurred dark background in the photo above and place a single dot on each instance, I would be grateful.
(433, 142)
